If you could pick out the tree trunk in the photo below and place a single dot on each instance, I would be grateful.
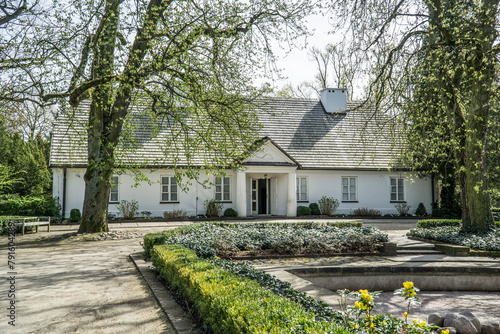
(472, 164)
(95, 204)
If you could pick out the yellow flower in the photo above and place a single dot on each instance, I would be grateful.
(372, 325)
(363, 292)
(446, 331)
(358, 304)
(408, 285)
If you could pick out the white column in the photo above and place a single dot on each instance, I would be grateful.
(291, 206)
(241, 193)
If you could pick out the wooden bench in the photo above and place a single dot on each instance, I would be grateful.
(31, 221)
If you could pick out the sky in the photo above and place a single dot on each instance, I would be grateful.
(297, 65)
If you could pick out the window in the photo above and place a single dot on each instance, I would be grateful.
(168, 189)
(113, 195)
(302, 189)
(397, 190)
(349, 189)
(223, 188)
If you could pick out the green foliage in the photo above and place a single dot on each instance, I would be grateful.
(213, 208)
(28, 205)
(230, 212)
(366, 212)
(75, 215)
(429, 223)
(127, 209)
(452, 234)
(314, 209)
(228, 303)
(303, 211)
(403, 208)
(4, 224)
(421, 211)
(328, 205)
(211, 239)
(24, 164)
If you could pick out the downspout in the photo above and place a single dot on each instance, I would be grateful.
(64, 194)
(432, 191)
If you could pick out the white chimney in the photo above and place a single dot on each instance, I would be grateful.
(334, 100)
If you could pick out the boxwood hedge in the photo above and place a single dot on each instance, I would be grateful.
(229, 303)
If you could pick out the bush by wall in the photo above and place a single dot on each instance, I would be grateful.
(230, 212)
(328, 205)
(365, 212)
(128, 209)
(228, 303)
(421, 211)
(303, 211)
(74, 215)
(314, 209)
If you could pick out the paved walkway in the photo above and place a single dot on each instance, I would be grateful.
(79, 286)
(93, 287)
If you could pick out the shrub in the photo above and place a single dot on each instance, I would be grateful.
(430, 223)
(421, 211)
(403, 208)
(174, 214)
(328, 205)
(28, 205)
(128, 209)
(230, 212)
(74, 215)
(314, 209)
(365, 212)
(303, 211)
(213, 208)
(228, 303)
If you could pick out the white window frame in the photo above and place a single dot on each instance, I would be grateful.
(166, 188)
(114, 185)
(299, 192)
(395, 189)
(222, 189)
(351, 196)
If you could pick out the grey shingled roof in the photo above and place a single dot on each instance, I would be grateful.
(357, 139)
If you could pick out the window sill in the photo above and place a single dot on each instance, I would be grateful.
(113, 202)
(170, 202)
(398, 201)
(350, 201)
(224, 201)
(302, 201)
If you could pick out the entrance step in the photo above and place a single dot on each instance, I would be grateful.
(418, 252)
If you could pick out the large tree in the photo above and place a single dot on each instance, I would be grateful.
(441, 57)
(186, 59)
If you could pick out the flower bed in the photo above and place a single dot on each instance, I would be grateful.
(249, 239)
(453, 235)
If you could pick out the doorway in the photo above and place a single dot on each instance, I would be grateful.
(261, 199)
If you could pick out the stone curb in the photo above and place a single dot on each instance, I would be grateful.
(180, 320)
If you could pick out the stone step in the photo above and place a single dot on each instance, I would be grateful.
(418, 252)
(417, 247)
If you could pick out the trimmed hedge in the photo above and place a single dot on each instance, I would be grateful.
(429, 223)
(228, 303)
(303, 211)
(286, 224)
